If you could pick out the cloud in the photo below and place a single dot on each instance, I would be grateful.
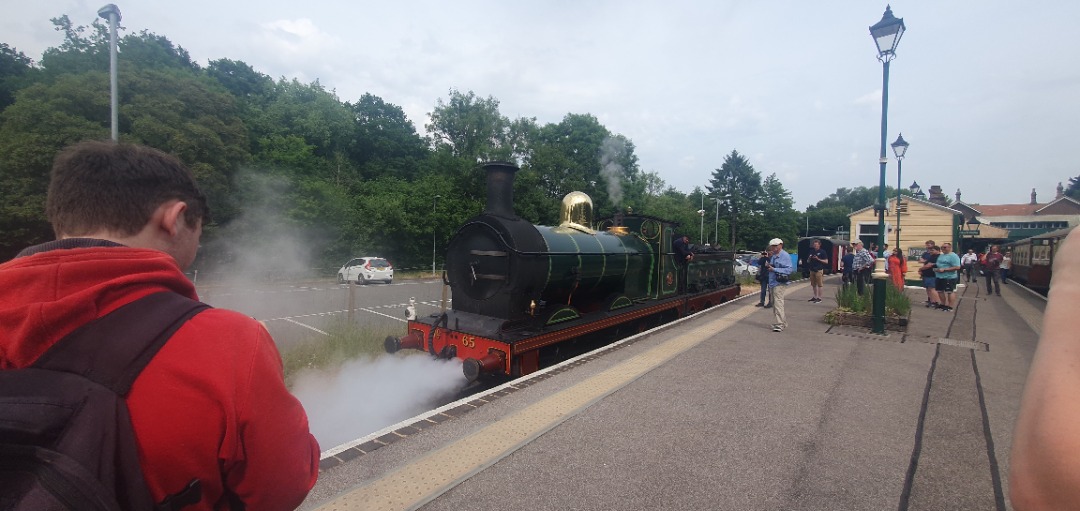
(296, 38)
(870, 98)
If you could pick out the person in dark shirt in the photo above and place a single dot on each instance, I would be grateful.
(846, 263)
(816, 261)
(683, 256)
(763, 278)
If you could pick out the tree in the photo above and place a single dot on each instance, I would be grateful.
(738, 186)
(779, 217)
(84, 49)
(470, 127)
(15, 71)
(386, 142)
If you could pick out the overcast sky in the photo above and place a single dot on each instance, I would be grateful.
(985, 92)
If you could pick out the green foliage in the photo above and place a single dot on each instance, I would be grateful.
(1074, 188)
(897, 303)
(738, 187)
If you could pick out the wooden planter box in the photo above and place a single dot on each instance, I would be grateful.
(865, 320)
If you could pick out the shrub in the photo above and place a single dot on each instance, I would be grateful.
(896, 302)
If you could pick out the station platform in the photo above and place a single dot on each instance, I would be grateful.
(717, 411)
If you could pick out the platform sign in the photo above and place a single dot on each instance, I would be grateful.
(969, 233)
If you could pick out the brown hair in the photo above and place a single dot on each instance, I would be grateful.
(99, 185)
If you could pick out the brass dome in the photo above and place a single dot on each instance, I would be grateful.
(577, 212)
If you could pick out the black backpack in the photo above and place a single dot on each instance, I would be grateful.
(66, 440)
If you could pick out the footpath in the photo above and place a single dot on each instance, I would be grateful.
(716, 411)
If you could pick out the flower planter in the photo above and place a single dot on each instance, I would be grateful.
(848, 318)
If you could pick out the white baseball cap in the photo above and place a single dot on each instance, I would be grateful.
(776, 241)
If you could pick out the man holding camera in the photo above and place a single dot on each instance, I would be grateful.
(780, 269)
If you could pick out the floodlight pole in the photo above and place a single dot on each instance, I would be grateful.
(112, 13)
(433, 199)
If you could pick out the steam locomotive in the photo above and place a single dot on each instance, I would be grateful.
(521, 292)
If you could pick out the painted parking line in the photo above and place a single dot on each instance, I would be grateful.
(423, 480)
(306, 326)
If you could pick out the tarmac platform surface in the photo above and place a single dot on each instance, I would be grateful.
(716, 411)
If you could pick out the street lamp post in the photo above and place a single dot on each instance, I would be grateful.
(433, 199)
(112, 13)
(716, 224)
(886, 34)
(701, 213)
(916, 190)
(899, 148)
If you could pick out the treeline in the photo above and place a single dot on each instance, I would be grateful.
(298, 178)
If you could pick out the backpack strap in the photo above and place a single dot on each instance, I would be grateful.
(113, 349)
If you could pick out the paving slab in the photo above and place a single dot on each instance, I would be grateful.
(719, 412)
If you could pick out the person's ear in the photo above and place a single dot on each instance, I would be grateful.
(172, 215)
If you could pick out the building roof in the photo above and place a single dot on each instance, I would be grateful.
(1059, 199)
(908, 198)
(1072, 219)
(996, 210)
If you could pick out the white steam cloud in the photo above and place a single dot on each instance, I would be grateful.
(610, 169)
(366, 395)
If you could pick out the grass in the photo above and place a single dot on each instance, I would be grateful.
(345, 342)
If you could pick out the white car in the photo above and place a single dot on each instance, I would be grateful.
(741, 268)
(366, 269)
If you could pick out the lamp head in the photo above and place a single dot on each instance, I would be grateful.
(899, 147)
(887, 34)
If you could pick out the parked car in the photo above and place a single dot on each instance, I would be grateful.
(742, 268)
(366, 269)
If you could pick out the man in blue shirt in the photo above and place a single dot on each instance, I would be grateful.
(780, 269)
(947, 271)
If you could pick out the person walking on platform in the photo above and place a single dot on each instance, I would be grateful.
(946, 270)
(816, 261)
(991, 267)
(862, 266)
(780, 269)
(1006, 263)
(763, 278)
(969, 261)
(897, 268)
(1044, 467)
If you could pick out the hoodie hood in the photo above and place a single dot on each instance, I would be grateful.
(48, 294)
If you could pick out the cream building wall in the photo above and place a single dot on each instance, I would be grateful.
(922, 221)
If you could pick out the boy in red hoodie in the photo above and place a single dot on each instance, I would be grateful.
(212, 404)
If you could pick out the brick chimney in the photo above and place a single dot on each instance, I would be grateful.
(1060, 191)
(1033, 196)
(936, 195)
(957, 195)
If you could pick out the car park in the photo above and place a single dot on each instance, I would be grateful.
(742, 268)
(366, 269)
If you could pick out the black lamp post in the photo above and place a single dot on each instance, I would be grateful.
(886, 34)
(899, 148)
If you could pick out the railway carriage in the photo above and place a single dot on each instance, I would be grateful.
(1033, 259)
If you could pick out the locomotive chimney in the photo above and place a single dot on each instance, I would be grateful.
(500, 189)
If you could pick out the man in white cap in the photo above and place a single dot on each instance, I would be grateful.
(780, 269)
